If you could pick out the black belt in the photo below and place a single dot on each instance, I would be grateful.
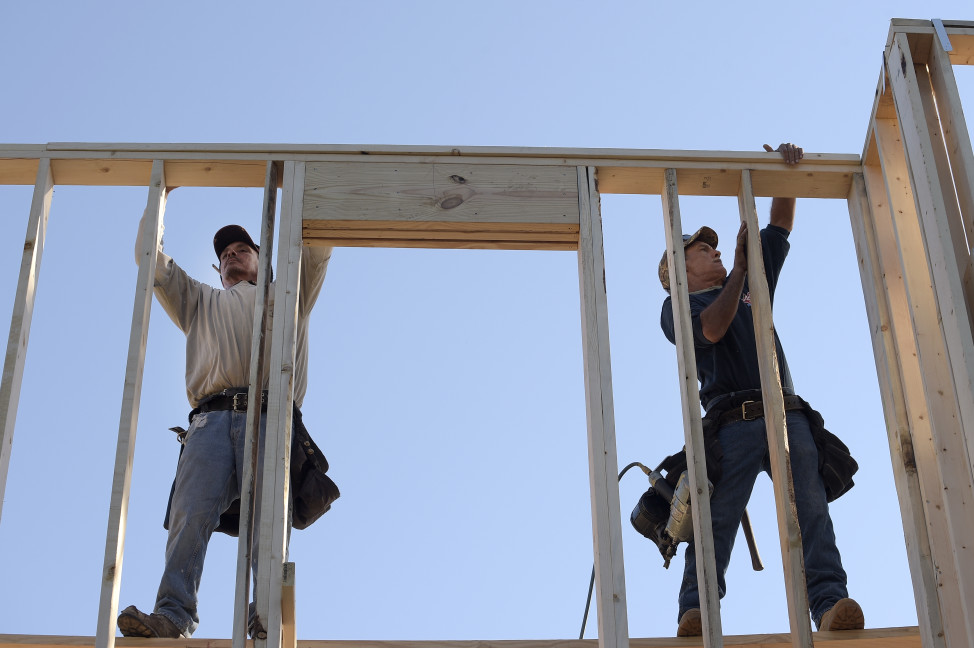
(231, 399)
(750, 410)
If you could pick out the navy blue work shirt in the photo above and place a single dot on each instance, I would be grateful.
(731, 365)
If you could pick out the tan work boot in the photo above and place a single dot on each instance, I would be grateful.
(690, 624)
(844, 615)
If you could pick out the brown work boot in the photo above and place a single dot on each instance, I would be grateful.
(690, 624)
(256, 629)
(133, 623)
(844, 615)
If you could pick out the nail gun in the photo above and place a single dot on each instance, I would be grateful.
(663, 514)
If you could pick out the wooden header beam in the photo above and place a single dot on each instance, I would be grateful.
(411, 204)
(629, 171)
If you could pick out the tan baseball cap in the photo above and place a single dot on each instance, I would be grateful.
(704, 234)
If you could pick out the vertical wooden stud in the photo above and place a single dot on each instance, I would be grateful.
(887, 194)
(945, 475)
(956, 135)
(942, 173)
(280, 399)
(902, 454)
(789, 532)
(692, 427)
(23, 311)
(603, 463)
(289, 637)
(128, 420)
(257, 372)
(935, 237)
(952, 127)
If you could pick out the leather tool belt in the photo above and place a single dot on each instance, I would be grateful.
(313, 490)
(751, 409)
(231, 399)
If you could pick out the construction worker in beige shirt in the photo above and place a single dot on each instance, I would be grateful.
(219, 328)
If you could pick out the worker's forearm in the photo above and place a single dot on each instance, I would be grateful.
(717, 318)
(314, 263)
(141, 233)
(783, 212)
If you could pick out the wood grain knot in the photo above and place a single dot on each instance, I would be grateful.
(458, 179)
(451, 201)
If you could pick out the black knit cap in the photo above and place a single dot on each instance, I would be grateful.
(231, 234)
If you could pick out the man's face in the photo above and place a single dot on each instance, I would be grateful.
(704, 267)
(238, 262)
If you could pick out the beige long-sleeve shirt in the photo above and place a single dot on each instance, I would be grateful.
(219, 323)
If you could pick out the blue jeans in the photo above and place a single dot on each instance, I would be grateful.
(745, 449)
(207, 482)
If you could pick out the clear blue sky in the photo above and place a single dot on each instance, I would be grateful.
(446, 386)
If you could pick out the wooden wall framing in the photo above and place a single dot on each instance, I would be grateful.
(911, 203)
(913, 217)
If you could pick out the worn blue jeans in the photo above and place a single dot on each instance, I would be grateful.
(207, 482)
(745, 449)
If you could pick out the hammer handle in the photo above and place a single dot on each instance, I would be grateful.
(752, 547)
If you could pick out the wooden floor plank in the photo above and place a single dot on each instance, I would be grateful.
(905, 637)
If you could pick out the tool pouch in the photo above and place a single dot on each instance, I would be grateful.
(835, 463)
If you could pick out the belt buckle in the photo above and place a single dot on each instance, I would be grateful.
(744, 416)
(241, 404)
